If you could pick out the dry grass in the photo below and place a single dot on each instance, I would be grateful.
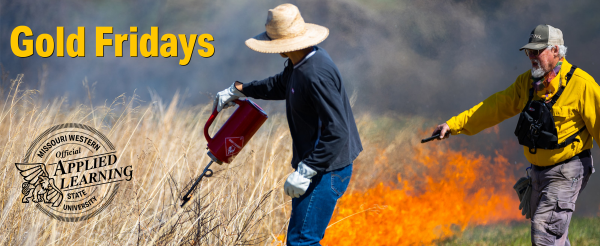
(242, 204)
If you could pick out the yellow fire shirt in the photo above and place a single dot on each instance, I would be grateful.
(578, 106)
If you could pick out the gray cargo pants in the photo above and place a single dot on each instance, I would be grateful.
(555, 190)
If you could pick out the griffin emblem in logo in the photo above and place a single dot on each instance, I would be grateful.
(38, 187)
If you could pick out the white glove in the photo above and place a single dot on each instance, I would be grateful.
(225, 98)
(297, 183)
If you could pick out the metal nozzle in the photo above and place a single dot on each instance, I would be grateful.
(207, 172)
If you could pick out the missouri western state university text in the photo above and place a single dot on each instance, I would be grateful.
(23, 43)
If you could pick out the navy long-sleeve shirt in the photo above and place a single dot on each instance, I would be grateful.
(318, 111)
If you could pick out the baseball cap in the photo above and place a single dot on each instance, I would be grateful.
(543, 36)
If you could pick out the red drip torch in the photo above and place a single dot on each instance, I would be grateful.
(231, 138)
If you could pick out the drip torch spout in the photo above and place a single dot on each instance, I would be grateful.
(206, 173)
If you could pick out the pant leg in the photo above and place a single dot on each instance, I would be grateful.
(555, 191)
(312, 211)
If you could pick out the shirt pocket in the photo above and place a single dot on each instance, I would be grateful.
(564, 117)
(562, 113)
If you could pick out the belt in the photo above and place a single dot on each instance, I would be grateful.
(582, 154)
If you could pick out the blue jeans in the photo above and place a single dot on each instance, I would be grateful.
(312, 211)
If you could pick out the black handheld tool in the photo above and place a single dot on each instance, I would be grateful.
(436, 136)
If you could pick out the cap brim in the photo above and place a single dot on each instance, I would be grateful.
(314, 35)
(534, 46)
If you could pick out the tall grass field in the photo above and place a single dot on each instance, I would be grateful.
(401, 193)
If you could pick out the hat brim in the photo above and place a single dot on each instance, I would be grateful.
(314, 35)
(534, 46)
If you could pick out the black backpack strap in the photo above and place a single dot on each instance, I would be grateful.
(570, 74)
(560, 91)
(570, 139)
(529, 99)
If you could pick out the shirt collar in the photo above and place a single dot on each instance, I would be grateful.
(305, 58)
(547, 90)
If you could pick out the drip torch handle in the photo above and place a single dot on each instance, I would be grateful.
(208, 123)
(212, 118)
(208, 173)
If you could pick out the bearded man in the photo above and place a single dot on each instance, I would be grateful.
(324, 134)
(559, 106)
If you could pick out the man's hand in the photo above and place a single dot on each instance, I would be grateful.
(443, 130)
(297, 183)
(225, 98)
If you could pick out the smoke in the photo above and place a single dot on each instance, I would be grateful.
(429, 58)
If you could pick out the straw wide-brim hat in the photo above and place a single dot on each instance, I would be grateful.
(287, 32)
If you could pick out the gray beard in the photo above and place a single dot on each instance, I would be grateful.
(537, 72)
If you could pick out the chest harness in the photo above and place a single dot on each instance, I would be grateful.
(536, 128)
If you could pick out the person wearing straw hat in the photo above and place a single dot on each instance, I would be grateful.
(324, 133)
(559, 107)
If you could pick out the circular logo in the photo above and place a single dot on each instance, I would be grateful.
(71, 172)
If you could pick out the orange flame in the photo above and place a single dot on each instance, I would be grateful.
(454, 189)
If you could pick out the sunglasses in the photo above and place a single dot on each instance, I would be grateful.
(529, 52)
